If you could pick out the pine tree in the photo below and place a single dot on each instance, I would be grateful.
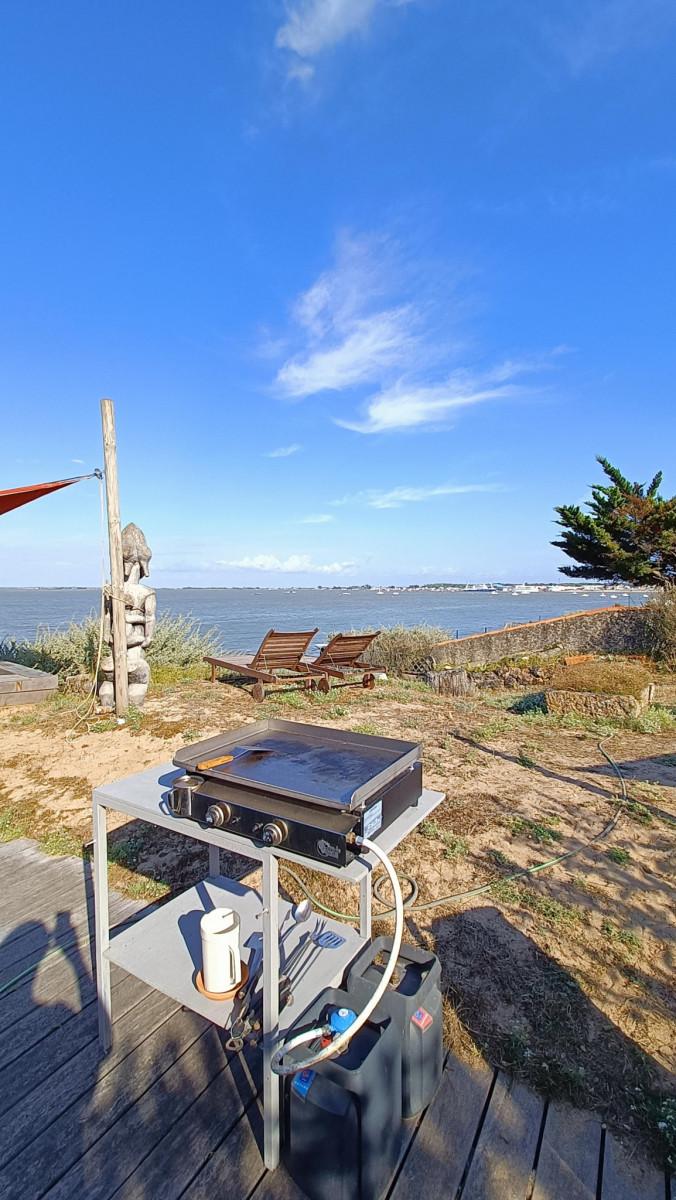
(628, 534)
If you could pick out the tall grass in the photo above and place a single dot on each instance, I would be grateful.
(62, 652)
(178, 643)
(402, 651)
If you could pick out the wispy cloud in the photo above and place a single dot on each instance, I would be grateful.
(596, 30)
(351, 330)
(317, 519)
(79, 461)
(371, 346)
(300, 564)
(284, 451)
(409, 406)
(377, 318)
(398, 496)
(314, 26)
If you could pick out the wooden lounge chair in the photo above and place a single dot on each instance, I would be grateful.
(277, 652)
(342, 654)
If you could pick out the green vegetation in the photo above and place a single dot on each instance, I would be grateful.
(369, 727)
(492, 729)
(524, 760)
(61, 842)
(179, 644)
(661, 1113)
(126, 853)
(629, 532)
(540, 905)
(660, 618)
(538, 831)
(399, 650)
(62, 652)
(625, 937)
(605, 676)
(532, 709)
(430, 829)
(618, 855)
(454, 847)
(638, 812)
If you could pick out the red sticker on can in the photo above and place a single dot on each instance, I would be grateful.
(422, 1019)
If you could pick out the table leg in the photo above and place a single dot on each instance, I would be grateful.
(271, 1082)
(102, 926)
(214, 860)
(365, 898)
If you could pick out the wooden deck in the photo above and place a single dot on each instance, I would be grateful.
(169, 1114)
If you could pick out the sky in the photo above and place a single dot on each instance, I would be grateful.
(371, 282)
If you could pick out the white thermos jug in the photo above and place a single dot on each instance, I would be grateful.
(221, 964)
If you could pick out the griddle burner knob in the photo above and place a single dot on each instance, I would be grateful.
(218, 815)
(274, 833)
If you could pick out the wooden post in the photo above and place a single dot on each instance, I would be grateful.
(116, 569)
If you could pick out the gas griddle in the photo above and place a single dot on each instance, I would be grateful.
(304, 787)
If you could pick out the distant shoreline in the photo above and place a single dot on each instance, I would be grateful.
(465, 588)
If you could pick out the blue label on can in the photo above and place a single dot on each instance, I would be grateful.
(302, 1082)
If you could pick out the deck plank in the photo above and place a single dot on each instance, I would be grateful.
(130, 1145)
(569, 1155)
(59, 1045)
(212, 1099)
(82, 1095)
(41, 888)
(437, 1158)
(235, 1166)
(40, 942)
(165, 1114)
(502, 1162)
(629, 1178)
(277, 1185)
(55, 981)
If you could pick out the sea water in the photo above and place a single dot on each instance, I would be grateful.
(243, 615)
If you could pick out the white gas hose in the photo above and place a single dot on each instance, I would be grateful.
(342, 1040)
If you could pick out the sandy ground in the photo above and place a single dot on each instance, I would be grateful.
(565, 977)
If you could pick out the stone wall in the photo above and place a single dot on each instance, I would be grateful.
(614, 630)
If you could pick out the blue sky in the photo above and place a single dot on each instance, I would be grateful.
(370, 281)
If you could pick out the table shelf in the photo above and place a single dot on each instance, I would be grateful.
(164, 948)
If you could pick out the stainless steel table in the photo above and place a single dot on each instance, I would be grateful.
(163, 948)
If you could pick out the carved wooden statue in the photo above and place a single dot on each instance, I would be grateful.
(140, 609)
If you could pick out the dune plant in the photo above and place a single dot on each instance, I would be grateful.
(660, 619)
(402, 651)
(179, 643)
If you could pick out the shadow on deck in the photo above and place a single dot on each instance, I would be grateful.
(168, 1113)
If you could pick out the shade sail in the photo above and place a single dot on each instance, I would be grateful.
(15, 497)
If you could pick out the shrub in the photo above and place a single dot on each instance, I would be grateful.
(603, 676)
(402, 651)
(660, 618)
(62, 652)
(178, 642)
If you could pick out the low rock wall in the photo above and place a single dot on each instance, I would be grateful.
(614, 630)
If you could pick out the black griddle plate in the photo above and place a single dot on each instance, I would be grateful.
(321, 766)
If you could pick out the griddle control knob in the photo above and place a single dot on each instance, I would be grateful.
(274, 833)
(218, 815)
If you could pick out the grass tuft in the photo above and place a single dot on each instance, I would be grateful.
(538, 831)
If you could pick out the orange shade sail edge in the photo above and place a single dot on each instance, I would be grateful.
(13, 498)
